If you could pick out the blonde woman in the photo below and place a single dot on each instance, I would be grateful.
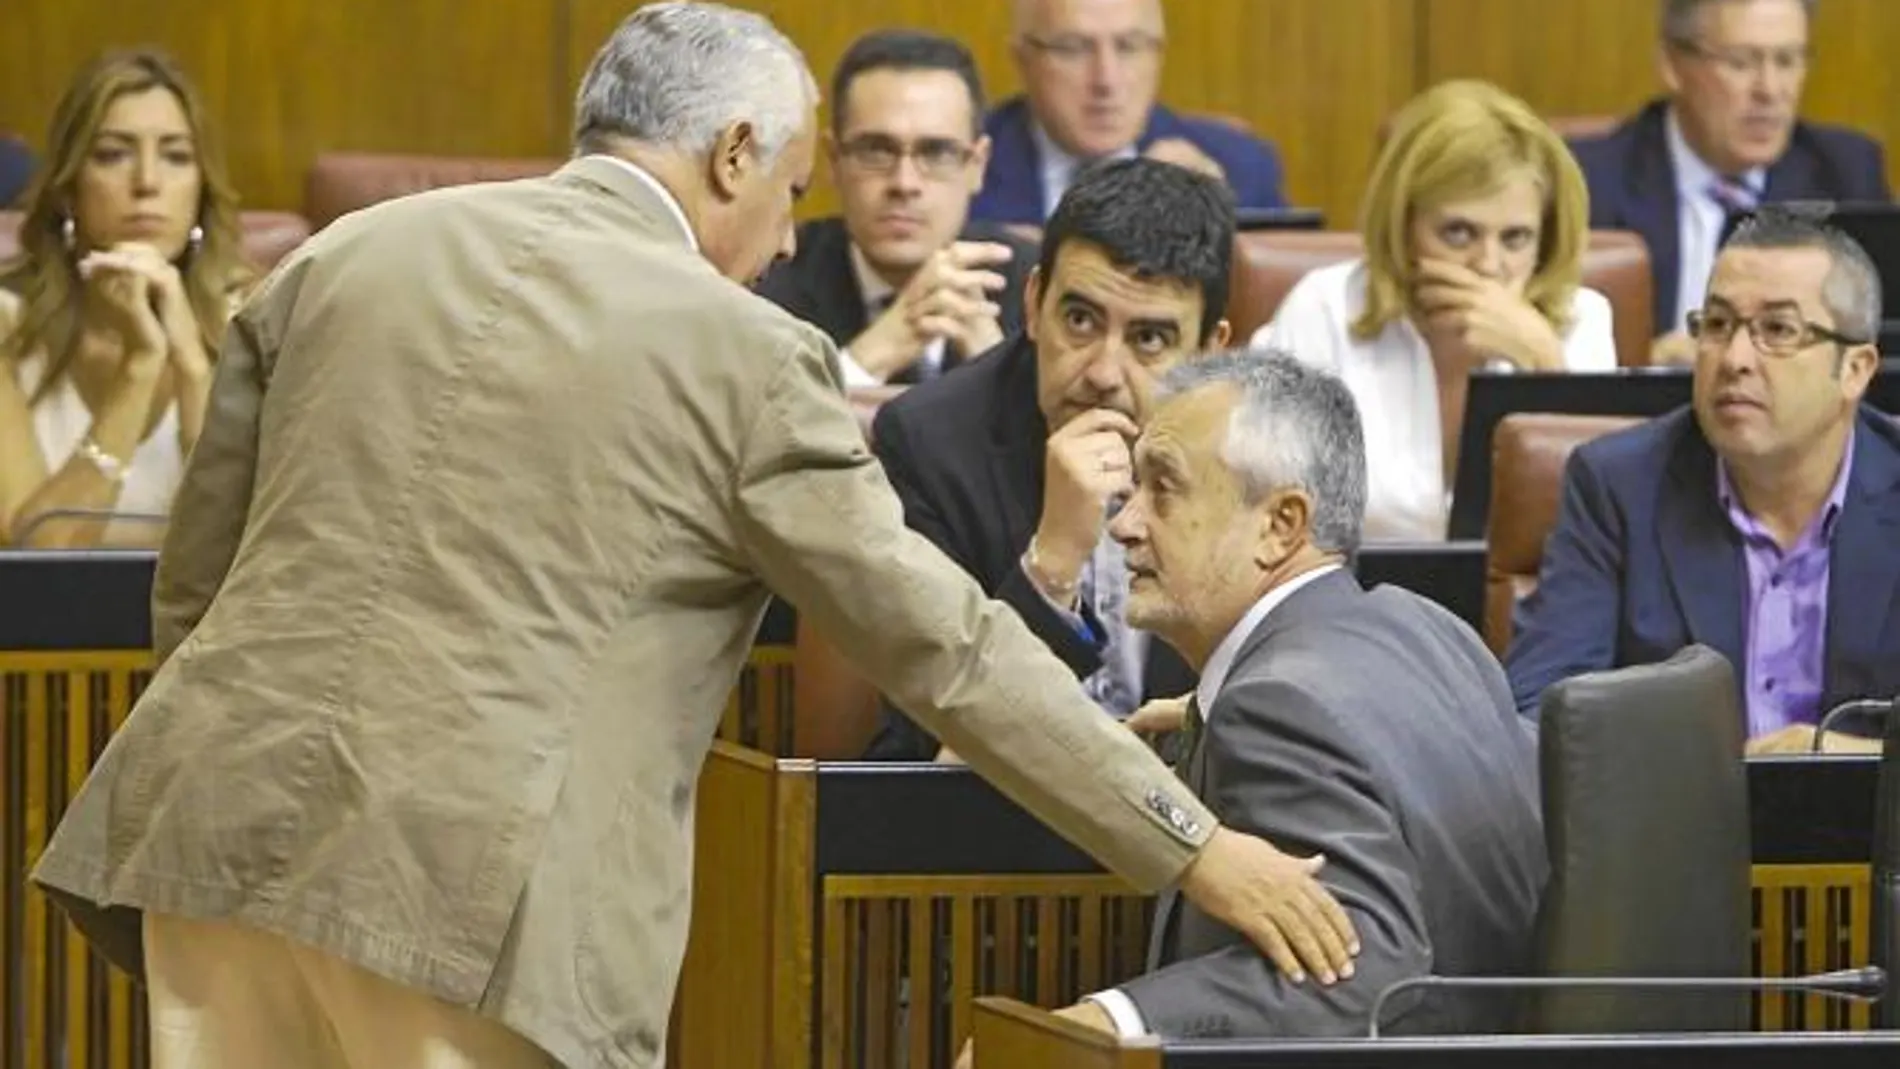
(111, 316)
(1474, 225)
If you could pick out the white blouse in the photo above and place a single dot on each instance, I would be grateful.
(1392, 379)
(61, 421)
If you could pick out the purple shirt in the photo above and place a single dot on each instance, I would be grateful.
(1785, 622)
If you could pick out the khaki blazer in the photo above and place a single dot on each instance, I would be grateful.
(494, 486)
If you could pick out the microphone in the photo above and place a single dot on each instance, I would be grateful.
(1881, 706)
(1884, 930)
(1866, 984)
(95, 515)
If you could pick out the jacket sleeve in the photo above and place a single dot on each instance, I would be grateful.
(1279, 768)
(1568, 625)
(814, 517)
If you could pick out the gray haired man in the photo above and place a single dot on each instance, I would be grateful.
(1373, 728)
(457, 583)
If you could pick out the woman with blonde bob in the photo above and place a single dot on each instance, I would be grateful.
(1474, 227)
(111, 316)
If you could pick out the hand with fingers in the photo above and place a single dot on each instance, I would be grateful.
(1485, 317)
(1272, 898)
(1159, 716)
(161, 318)
(952, 296)
(1087, 462)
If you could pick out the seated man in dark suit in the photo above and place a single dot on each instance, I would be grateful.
(1371, 727)
(899, 281)
(1010, 466)
(16, 169)
(1090, 71)
(1763, 522)
(1725, 139)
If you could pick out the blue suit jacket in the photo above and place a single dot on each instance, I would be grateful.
(1643, 562)
(1012, 184)
(16, 169)
(1633, 185)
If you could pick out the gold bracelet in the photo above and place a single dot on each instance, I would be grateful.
(109, 466)
(1062, 592)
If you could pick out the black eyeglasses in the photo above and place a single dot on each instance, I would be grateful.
(936, 157)
(1746, 62)
(1778, 333)
(1074, 49)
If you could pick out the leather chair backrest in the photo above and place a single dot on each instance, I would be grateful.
(268, 236)
(1578, 127)
(1528, 454)
(1646, 819)
(342, 182)
(1268, 262)
(1616, 264)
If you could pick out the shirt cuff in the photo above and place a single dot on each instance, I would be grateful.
(855, 377)
(1122, 1010)
(1074, 619)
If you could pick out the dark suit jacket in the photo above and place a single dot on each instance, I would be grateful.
(16, 169)
(818, 285)
(965, 454)
(1643, 562)
(1012, 186)
(1633, 185)
(1375, 728)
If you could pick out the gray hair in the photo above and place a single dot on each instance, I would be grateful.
(1293, 427)
(1679, 18)
(1851, 292)
(677, 74)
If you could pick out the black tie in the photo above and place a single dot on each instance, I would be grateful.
(1191, 727)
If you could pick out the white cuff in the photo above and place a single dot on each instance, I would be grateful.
(1122, 1010)
(855, 377)
(1072, 617)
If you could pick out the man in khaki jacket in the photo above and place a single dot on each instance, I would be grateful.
(484, 515)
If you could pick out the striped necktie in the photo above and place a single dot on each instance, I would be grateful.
(1736, 197)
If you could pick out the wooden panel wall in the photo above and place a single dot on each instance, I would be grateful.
(1583, 57)
(289, 78)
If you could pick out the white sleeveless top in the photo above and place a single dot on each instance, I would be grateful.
(61, 421)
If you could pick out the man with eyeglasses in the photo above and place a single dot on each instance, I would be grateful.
(900, 280)
(1763, 521)
(1090, 70)
(1724, 140)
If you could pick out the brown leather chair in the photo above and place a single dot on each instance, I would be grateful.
(834, 709)
(1529, 451)
(1616, 264)
(268, 236)
(1577, 127)
(342, 182)
(1268, 262)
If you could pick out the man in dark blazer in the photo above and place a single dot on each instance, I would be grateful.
(1725, 139)
(16, 169)
(905, 286)
(1010, 465)
(1763, 522)
(1371, 727)
(1090, 74)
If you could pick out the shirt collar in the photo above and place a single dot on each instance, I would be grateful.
(1823, 523)
(666, 195)
(1693, 175)
(1214, 675)
(1059, 166)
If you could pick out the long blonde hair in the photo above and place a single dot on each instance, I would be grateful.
(45, 275)
(1455, 141)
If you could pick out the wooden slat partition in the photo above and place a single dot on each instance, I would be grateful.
(1809, 919)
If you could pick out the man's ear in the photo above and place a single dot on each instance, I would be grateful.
(1222, 333)
(1032, 299)
(979, 163)
(1858, 364)
(1286, 524)
(734, 156)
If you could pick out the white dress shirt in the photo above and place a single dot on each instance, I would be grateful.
(1699, 220)
(1059, 168)
(666, 195)
(877, 295)
(1120, 1008)
(1393, 381)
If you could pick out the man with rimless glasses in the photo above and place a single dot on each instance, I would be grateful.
(1090, 71)
(1764, 521)
(900, 280)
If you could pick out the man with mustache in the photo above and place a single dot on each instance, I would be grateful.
(1762, 521)
(900, 280)
(1011, 467)
(1724, 140)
